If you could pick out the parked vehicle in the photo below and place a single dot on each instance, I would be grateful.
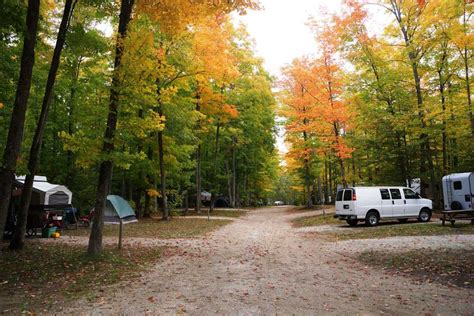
(458, 191)
(371, 204)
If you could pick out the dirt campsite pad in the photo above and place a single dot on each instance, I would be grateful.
(260, 264)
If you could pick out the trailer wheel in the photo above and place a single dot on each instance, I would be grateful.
(456, 206)
(372, 218)
(425, 215)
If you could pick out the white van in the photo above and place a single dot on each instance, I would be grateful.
(371, 204)
(458, 191)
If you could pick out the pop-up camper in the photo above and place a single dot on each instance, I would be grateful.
(45, 193)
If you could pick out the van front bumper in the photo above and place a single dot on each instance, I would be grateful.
(343, 216)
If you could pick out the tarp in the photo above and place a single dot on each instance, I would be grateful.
(205, 196)
(47, 193)
(116, 209)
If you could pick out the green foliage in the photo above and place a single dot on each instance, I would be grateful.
(159, 79)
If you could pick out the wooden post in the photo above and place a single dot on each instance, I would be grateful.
(120, 235)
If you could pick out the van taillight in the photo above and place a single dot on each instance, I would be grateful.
(354, 197)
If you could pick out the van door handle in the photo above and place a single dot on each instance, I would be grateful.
(393, 202)
(404, 201)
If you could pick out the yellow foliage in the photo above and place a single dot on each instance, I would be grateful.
(153, 192)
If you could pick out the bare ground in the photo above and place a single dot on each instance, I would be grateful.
(260, 265)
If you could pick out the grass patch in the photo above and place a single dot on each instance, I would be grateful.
(157, 228)
(445, 266)
(391, 229)
(42, 276)
(304, 209)
(217, 212)
(315, 220)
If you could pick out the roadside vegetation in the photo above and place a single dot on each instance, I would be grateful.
(450, 267)
(177, 227)
(216, 213)
(43, 276)
(303, 209)
(392, 229)
(316, 220)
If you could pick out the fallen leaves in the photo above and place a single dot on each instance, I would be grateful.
(450, 267)
(66, 272)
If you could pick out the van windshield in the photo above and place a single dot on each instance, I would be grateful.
(339, 195)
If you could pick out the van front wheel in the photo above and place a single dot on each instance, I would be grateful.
(425, 215)
(372, 219)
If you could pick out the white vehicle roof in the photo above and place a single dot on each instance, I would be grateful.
(454, 176)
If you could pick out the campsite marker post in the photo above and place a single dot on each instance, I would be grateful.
(120, 234)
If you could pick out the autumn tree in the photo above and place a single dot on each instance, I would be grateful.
(17, 121)
(172, 16)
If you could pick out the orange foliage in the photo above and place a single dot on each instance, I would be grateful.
(316, 106)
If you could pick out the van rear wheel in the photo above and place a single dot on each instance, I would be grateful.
(372, 219)
(352, 222)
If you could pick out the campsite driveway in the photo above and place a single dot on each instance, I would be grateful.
(261, 265)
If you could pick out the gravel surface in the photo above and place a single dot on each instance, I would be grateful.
(260, 265)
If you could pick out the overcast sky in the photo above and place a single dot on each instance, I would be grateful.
(281, 34)
(280, 29)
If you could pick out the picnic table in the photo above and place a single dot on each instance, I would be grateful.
(452, 215)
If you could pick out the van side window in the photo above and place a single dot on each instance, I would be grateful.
(457, 185)
(385, 194)
(410, 194)
(339, 195)
(395, 194)
(348, 195)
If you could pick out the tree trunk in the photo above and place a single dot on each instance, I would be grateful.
(146, 206)
(229, 184)
(164, 199)
(443, 134)
(214, 189)
(17, 122)
(326, 181)
(72, 93)
(198, 159)
(105, 174)
(234, 173)
(307, 179)
(466, 68)
(198, 179)
(18, 238)
(426, 154)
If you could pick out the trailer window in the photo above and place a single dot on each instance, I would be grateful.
(339, 195)
(395, 194)
(348, 195)
(385, 194)
(457, 185)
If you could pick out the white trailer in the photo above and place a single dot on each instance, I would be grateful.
(458, 197)
(458, 191)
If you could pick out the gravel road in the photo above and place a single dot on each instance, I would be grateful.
(260, 265)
